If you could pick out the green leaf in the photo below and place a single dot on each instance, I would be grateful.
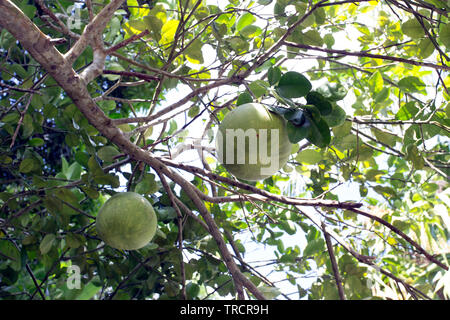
(202, 12)
(317, 99)
(328, 39)
(73, 172)
(36, 142)
(258, 87)
(27, 126)
(293, 85)
(107, 153)
(47, 243)
(27, 165)
(309, 156)
(192, 290)
(412, 84)
(312, 38)
(193, 111)
(245, 20)
(194, 52)
(274, 75)
(9, 250)
(387, 192)
(72, 240)
(426, 48)
(444, 35)
(168, 32)
(108, 179)
(269, 292)
(238, 44)
(297, 133)
(154, 25)
(385, 137)
(383, 95)
(314, 247)
(251, 31)
(133, 7)
(413, 155)
(138, 25)
(91, 192)
(407, 111)
(88, 292)
(94, 167)
(147, 185)
(107, 105)
(244, 98)
(374, 175)
(413, 29)
(72, 139)
(319, 134)
(376, 82)
(28, 10)
(333, 91)
(320, 15)
(336, 117)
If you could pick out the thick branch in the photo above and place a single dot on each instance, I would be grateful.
(92, 30)
(41, 49)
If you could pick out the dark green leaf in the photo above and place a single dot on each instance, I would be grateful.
(27, 165)
(293, 85)
(297, 133)
(413, 29)
(317, 99)
(319, 133)
(444, 34)
(9, 250)
(36, 142)
(274, 75)
(244, 98)
(295, 116)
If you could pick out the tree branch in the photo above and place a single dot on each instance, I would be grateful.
(334, 266)
(367, 55)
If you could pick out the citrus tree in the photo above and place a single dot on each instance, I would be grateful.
(100, 97)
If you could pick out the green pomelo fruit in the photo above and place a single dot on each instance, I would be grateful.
(247, 130)
(126, 221)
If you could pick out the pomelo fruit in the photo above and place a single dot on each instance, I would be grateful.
(126, 221)
(252, 142)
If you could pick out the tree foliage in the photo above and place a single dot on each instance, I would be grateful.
(99, 97)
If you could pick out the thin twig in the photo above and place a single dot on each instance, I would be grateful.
(334, 264)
